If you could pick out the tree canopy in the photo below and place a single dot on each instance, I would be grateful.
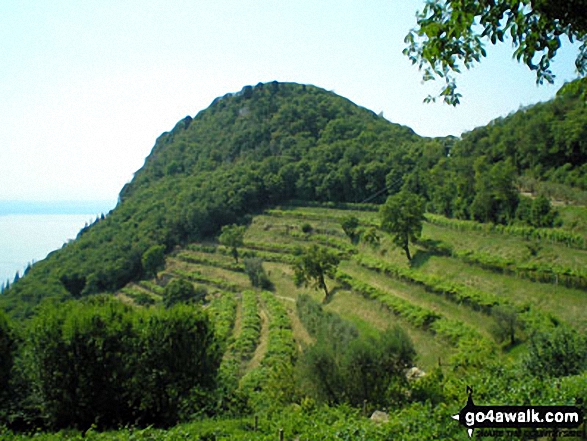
(451, 34)
(402, 216)
(314, 265)
(232, 236)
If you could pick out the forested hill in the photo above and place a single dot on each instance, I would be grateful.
(540, 150)
(249, 150)
(278, 142)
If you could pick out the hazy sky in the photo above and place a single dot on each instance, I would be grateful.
(87, 86)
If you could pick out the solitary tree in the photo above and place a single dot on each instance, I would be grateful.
(232, 236)
(507, 323)
(402, 216)
(541, 213)
(451, 34)
(312, 267)
(350, 225)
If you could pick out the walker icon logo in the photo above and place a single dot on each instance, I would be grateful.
(518, 417)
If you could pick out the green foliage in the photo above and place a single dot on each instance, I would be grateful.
(239, 351)
(307, 228)
(182, 291)
(507, 323)
(541, 213)
(371, 237)
(416, 315)
(257, 275)
(402, 216)
(543, 272)
(293, 141)
(554, 235)
(232, 237)
(271, 385)
(452, 34)
(314, 265)
(153, 260)
(103, 363)
(7, 348)
(477, 299)
(176, 360)
(272, 143)
(556, 353)
(198, 277)
(210, 261)
(496, 197)
(341, 367)
(350, 225)
(325, 325)
(222, 311)
(374, 369)
(536, 212)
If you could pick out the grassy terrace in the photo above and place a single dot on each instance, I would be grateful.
(442, 258)
(441, 299)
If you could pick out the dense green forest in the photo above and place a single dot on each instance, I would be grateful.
(185, 303)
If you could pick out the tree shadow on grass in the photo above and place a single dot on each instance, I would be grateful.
(331, 294)
(420, 258)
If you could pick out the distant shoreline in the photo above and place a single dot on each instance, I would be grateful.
(56, 207)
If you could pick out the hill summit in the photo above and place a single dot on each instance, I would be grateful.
(279, 142)
(248, 150)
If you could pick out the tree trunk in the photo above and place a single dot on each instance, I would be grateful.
(512, 336)
(324, 287)
(408, 255)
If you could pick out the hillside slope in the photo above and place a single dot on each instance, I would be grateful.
(245, 152)
(277, 142)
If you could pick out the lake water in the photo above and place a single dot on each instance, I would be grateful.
(26, 238)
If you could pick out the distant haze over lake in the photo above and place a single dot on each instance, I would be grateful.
(31, 230)
(56, 207)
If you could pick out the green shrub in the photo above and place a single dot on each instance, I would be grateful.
(307, 228)
(257, 275)
(103, 363)
(182, 291)
(153, 260)
(557, 352)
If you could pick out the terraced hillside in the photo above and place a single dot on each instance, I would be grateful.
(475, 301)
(445, 298)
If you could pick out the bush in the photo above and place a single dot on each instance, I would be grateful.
(175, 365)
(104, 363)
(307, 228)
(153, 260)
(257, 275)
(558, 353)
(182, 291)
(369, 369)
